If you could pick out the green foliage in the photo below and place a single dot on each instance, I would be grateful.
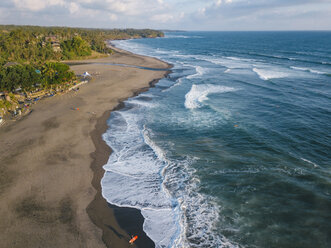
(99, 45)
(54, 73)
(17, 76)
(35, 44)
(76, 47)
(28, 48)
(20, 45)
(26, 78)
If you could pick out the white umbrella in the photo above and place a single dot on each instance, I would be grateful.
(86, 74)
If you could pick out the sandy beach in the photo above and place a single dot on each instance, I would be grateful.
(51, 163)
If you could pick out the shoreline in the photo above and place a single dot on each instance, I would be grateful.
(99, 210)
(51, 163)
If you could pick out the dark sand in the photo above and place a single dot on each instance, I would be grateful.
(48, 192)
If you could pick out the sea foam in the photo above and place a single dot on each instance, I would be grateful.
(139, 175)
(308, 70)
(199, 72)
(199, 93)
(230, 62)
(133, 178)
(266, 74)
(309, 162)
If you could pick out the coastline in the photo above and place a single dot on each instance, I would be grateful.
(102, 213)
(51, 163)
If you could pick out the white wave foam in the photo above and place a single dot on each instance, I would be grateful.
(309, 162)
(161, 51)
(266, 74)
(308, 70)
(139, 175)
(231, 62)
(186, 56)
(227, 70)
(133, 47)
(199, 72)
(169, 36)
(165, 52)
(133, 178)
(199, 213)
(240, 59)
(143, 103)
(178, 83)
(199, 93)
(176, 36)
(158, 228)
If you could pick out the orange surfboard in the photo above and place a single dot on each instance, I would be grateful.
(133, 239)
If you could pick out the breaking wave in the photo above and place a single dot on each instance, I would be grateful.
(199, 72)
(199, 93)
(266, 74)
(308, 70)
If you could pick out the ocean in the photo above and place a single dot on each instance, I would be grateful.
(233, 148)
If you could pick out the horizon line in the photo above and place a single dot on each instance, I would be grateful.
(175, 30)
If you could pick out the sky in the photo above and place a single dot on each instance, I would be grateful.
(202, 15)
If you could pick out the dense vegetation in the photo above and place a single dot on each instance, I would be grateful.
(76, 47)
(30, 55)
(27, 77)
(35, 44)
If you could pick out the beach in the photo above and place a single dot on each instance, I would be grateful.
(51, 162)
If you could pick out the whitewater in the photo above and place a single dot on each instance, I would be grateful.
(232, 148)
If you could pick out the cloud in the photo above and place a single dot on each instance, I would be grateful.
(165, 14)
(74, 8)
(113, 17)
(36, 5)
(262, 15)
(162, 18)
(219, 2)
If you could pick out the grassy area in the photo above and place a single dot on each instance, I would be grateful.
(94, 55)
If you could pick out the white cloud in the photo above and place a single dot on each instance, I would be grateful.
(162, 18)
(132, 7)
(73, 8)
(218, 2)
(176, 14)
(120, 6)
(113, 17)
(36, 5)
(85, 1)
(202, 11)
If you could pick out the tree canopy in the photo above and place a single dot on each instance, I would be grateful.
(28, 77)
(35, 44)
(28, 53)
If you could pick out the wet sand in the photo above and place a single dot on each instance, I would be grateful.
(51, 164)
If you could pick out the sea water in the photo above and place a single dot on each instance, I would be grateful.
(232, 149)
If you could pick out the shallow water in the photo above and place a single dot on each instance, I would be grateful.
(233, 148)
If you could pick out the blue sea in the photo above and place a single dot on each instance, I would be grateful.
(233, 148)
